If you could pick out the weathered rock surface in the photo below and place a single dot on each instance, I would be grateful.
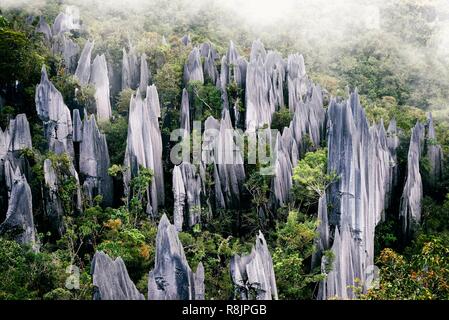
(179, 198)
(254, 273)
(410, 207)
(296, 80)
(55, 115)
(144, 74)
(19, 223)
(144, 148)
(111, 280)
(193, 70)
(361, 158)
(83, 69)
(94, 163)
(230, 171)
(68, 49)
(54, 177)
(172, 278)
(434, 153)
(130, 69)
(307, 126)
(99, 78)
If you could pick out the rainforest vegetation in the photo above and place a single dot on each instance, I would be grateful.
(399, 68)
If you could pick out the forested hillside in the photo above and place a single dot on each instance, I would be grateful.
(168, 150)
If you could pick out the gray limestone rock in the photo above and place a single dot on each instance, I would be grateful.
(253, 274)
(130, 69)
(54, 177)
(193, 70)
(111, 280)
(410, 206)
(179, 198)
(434, 153)
(83, 69)
(144, 148)
(19, 223)
(55, 115)
(94, 163)
(68, 49)
(44, 28)
(99, 78)
(144, 74)
(77, 126)
(360, 156)
(172, 278)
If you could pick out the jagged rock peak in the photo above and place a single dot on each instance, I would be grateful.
(185, 40)
(19, 223)
(434, 153)
(193, 70)
(94, 163)
(111, 280)
(254, 273)
(99, 78)
(144, 73)
(83, 69)
(179, 198)
(152, 99)
(144, 148)
(77, 126)
(130, 69)
(44, 28)
(172, 278)
(410, 206)
(360, 157)
(52, 110)
(19, 134)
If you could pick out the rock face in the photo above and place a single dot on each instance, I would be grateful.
(144, 73)
(44, 28)
(361, 158)
(54, 177)
(144, 148)
(230, 172)
(259, 105)
(281, 182)
(83, 69)
(99, 78)
(179, 198)
(254, 273)
(13, 164)
(19, 223)
(19, 134)
(410, 207)
(111, 280)
(52, 110)
(130, 69)
(193, 70)
(434, 153)
(94, 163)
(307, 126)
(296, 80)
(68, 49)
(172, 278)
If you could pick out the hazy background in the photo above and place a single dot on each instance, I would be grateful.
(407, 39)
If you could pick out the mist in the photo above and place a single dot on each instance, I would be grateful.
(323, 31)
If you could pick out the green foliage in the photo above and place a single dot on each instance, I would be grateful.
(116, 134)
(310, 177)
(423, 275)
(281, 119)
(294, 248)
(215, 252)
(206, 100)
(123, 100)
